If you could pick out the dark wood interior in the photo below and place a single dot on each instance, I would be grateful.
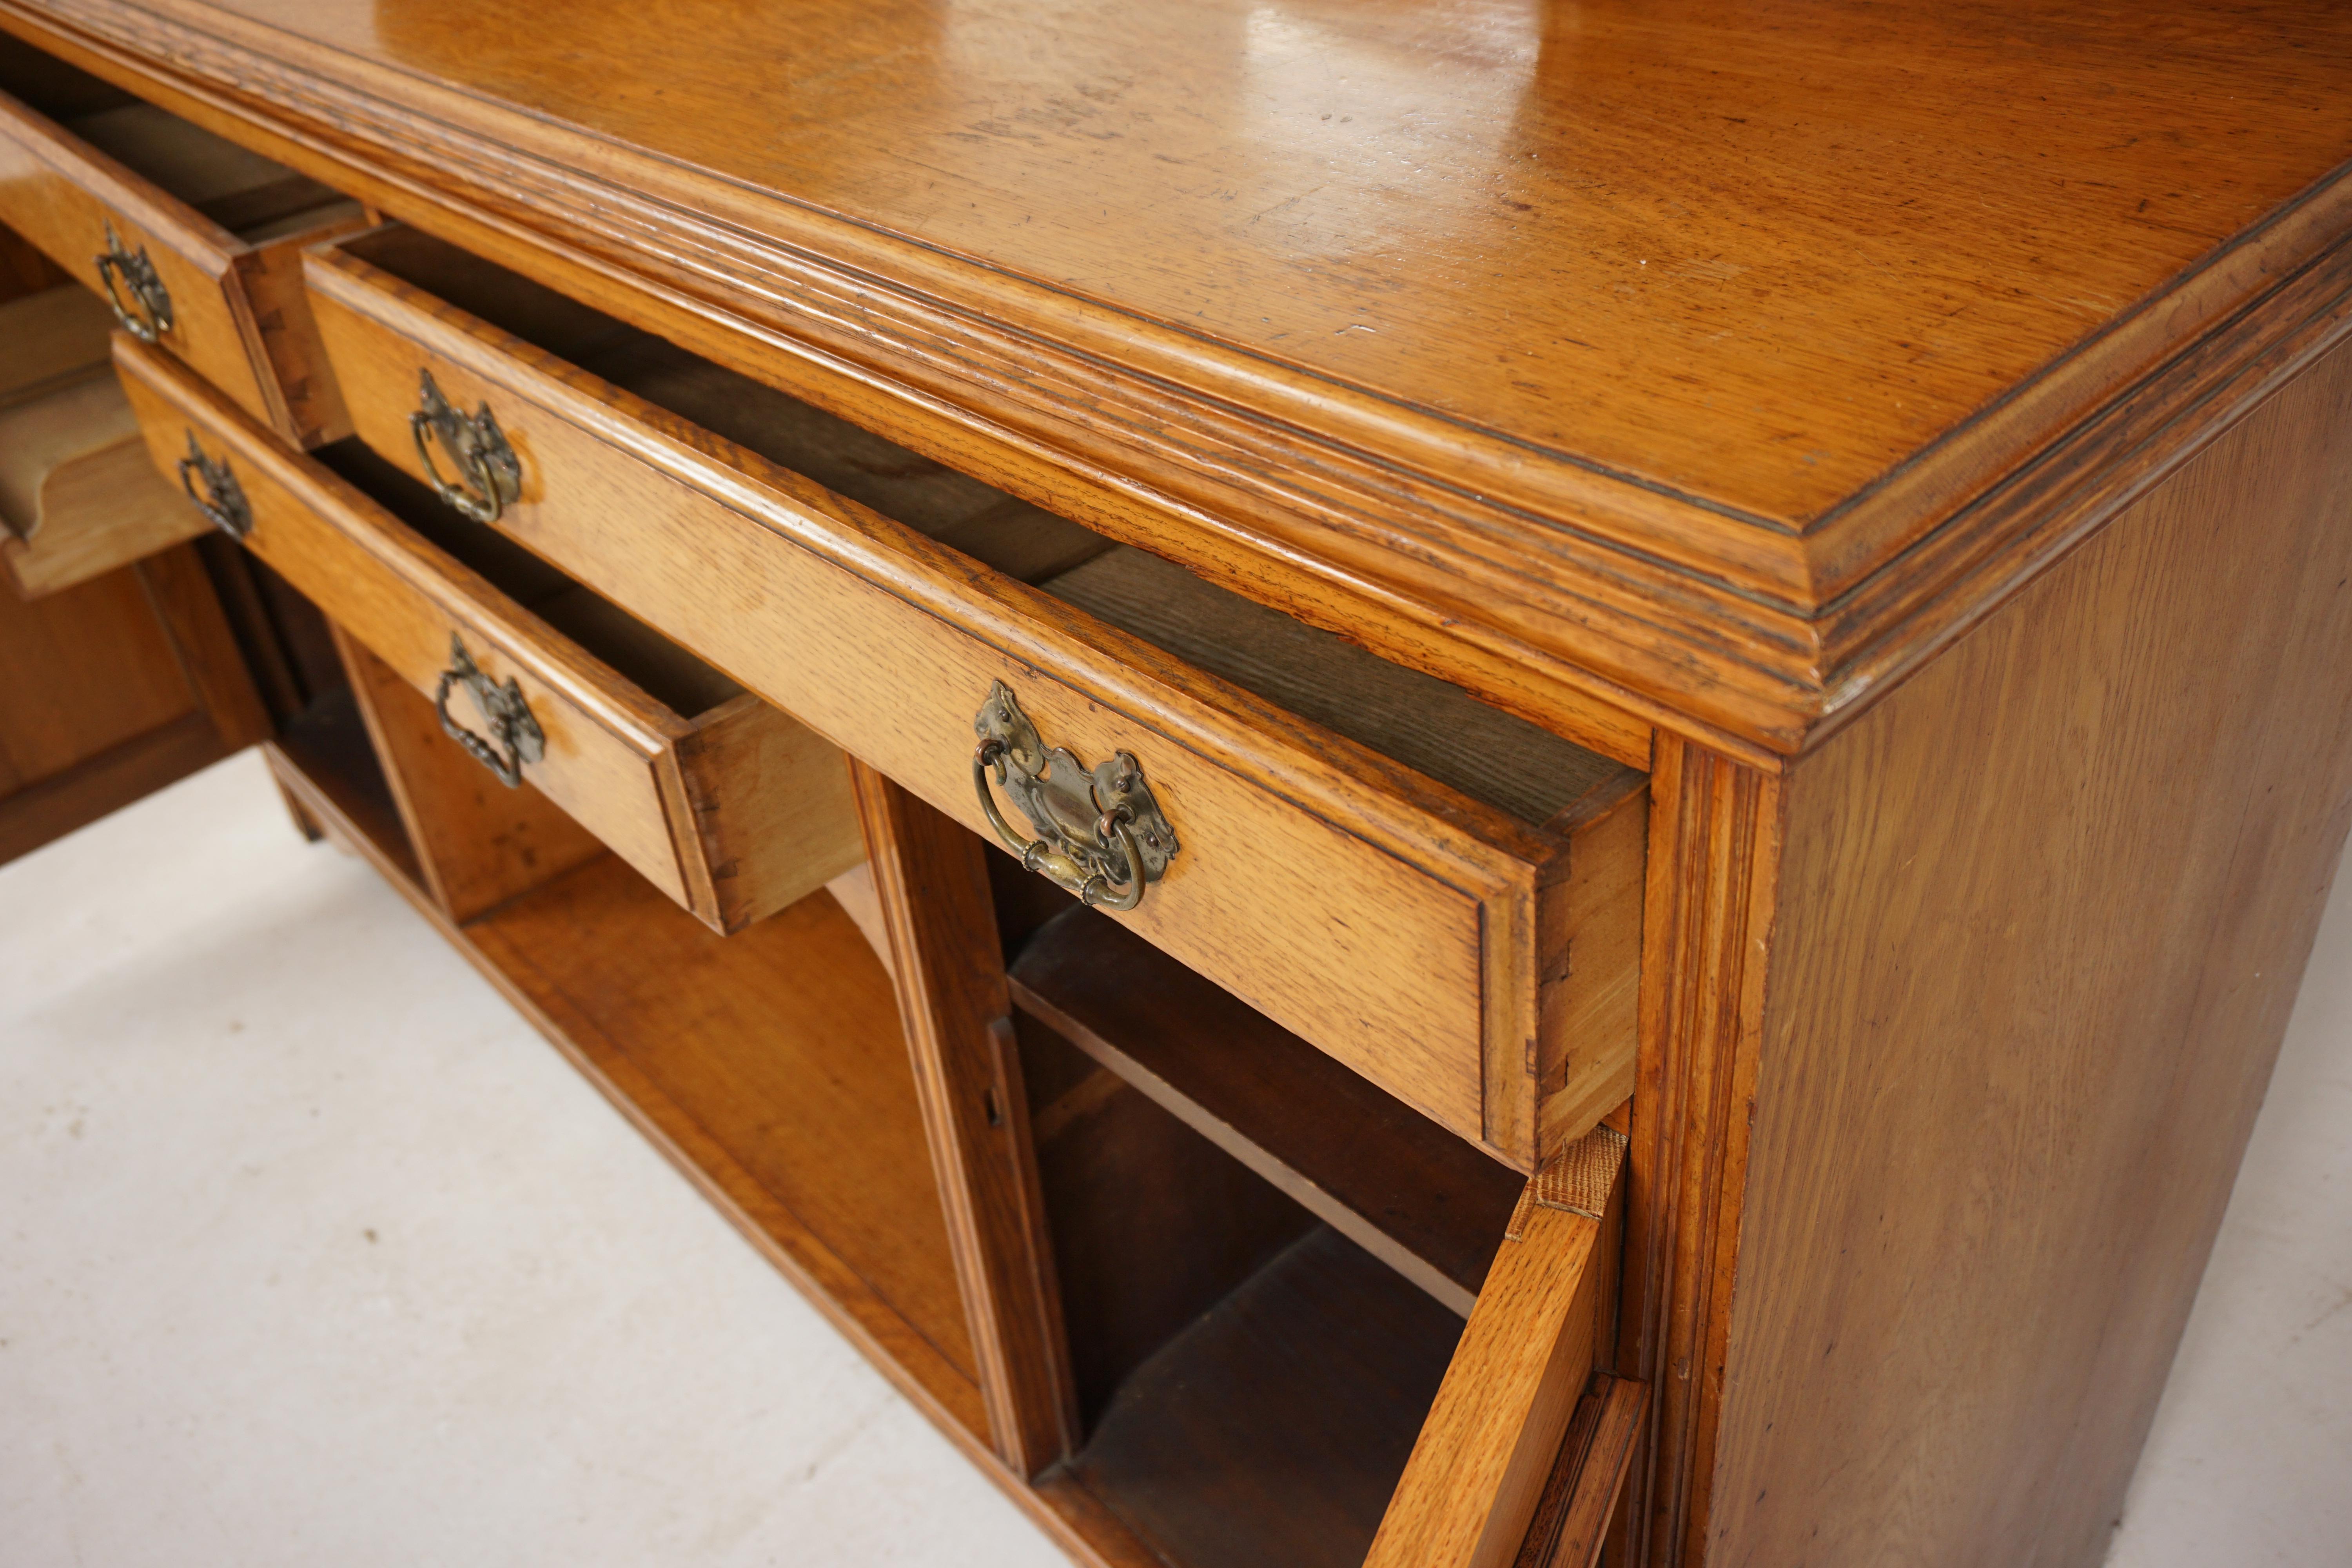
(1414, 1195)
(1250, 1382)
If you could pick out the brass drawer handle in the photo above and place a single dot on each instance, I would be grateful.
(223, 503)
(149, 315)
(515, 736)
(1099, 832)
(490, 474)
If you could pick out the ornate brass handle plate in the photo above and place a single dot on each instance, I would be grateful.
(147, 314)
(224, 501)
(490, 475)
(1099, 832)
(515, 736)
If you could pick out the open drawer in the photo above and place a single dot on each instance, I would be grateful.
(194, 239)
(78, 496)
(728, 806)
(1445, 897)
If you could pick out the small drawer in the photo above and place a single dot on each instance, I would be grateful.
(728, 806)
(78, 498)
(194, 240)
(1445, 899)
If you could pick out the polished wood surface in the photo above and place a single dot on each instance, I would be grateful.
(77, 490)
(220, 227)
(930, 880)
(114, 689)
(734, 809)
(1289, 831)
(1714, 858)
(1545, 1322)
(1898, 451)
(1487, 344)
(77, 486)
(2044, 915)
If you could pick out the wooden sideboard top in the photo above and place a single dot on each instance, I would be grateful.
(1720, 360)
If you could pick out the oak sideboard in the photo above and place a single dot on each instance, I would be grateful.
(1487, 784)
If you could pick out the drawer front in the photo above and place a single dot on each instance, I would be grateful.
(1390, 922)
(660, 791)
(237, 313)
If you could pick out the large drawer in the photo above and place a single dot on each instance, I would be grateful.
(194, 240)
(1471, 944)
(724, 803)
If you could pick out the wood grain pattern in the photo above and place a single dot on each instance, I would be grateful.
(1544, 1324)
(478, 843)
(238, 314)
(181, 593)
(115, 688)
(1393, 1182)
(894, 641)
(931, 881)
(325, 762)
(49, 334)
(1713, 888)
(2043, 916)
(1574, 1521)
(660, 788)
(1740, 431)
(78, 496)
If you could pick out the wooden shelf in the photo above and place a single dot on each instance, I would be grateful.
(771, 1062)
(1273, 1428)
(769, 1066)
(1407, 1191)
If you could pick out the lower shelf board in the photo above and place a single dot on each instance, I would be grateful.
(773, 1059)
(1273, 1428)
(768, 1066)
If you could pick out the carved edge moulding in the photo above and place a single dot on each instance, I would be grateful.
(1586, 602)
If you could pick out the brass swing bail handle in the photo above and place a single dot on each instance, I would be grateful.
(147, 314)
(515, 736)
(490, 475)
(1101, 833)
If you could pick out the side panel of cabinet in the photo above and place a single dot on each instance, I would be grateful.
(2044, 911)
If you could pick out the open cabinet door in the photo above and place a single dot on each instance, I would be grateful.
(119, 669)
(1526, 1451)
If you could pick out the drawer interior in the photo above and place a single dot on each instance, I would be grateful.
(1434, 728)
(251, 196)
(655, 665)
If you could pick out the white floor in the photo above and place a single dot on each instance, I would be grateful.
(313, 1253)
